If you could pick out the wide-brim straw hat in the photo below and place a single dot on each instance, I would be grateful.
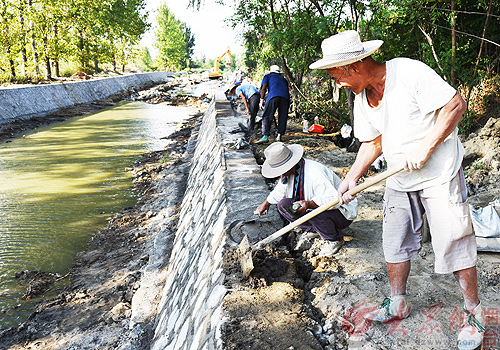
(275, 69)
(344, 48)
(280, 158)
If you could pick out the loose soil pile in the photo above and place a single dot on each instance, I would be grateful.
(292, 299)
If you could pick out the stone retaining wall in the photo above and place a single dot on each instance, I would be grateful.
(224, 187)
(39, 100)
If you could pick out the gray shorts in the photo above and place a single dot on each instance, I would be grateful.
(447, 209)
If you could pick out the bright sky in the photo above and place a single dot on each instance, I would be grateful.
(212, 36)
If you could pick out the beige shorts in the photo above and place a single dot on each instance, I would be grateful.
(447, 209)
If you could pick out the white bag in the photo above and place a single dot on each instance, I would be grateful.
(486, 221)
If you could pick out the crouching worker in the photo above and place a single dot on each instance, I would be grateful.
(305, 185)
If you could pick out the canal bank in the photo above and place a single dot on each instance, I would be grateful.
(156, 276)
(28, 107)
(159, 274)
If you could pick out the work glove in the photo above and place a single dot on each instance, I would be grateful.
(262, 103)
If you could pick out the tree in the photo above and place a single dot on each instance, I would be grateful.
(189, 39)
(173, 40)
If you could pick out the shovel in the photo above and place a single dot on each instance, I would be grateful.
(245, 250)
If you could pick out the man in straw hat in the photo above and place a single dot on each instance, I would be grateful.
(278, 98)
(403, 108)
(309, 185)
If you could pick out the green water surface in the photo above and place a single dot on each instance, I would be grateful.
(61, 183)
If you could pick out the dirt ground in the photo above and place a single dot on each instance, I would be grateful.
(292, 299)
(295, 300)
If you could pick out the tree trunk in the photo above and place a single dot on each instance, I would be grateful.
(354, 146)
(48, 69)
(454, 74)
(56, 68)
(11, 62)
(96, 65)
(33, 45)
(24, 55)
(354, 15)
(55, 60)
(9, 53)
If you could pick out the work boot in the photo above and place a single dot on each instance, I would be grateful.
(330, 248)
(393, 308)
(263, 139)
(472, 333)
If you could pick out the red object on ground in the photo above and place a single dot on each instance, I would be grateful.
(316, 128)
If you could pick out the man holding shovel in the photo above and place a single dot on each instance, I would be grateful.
(403, 108)
(305, 185)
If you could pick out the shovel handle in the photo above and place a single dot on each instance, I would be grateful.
(370, 182)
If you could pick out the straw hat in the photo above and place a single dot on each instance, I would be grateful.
(280, 158)
(275, 69)
(344, 48)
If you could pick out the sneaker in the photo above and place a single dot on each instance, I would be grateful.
(263, 139)
(393, 308)
(330, 248)
(278, 138)
(472, 333)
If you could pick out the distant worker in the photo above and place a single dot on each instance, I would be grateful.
(250, 97)
(308, 185)
(278, 98)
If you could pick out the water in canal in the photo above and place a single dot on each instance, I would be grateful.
(59, 185)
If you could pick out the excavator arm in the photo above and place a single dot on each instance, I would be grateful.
(215, 72)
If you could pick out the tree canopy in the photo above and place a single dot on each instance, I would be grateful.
(43, 32)
(174, 40)
(459, 39)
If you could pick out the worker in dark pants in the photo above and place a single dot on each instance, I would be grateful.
(278, 98)
(307, 185)
(250, 97)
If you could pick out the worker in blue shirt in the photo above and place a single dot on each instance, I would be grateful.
(250, 97)
(278, 98)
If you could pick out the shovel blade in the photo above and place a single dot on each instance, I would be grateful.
(245, 255)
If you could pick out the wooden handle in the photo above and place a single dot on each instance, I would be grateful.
(370, 182)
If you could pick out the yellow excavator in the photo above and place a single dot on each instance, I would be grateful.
(215, 72)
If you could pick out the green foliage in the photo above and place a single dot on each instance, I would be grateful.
(290, 33)
(468, 122)
(477, 165)
(315, 101)
(142, 60)
(174, 41)
(35, 35)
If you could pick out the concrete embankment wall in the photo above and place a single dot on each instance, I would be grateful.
(224, 187)
(40, 100)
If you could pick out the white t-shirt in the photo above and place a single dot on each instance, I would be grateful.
(320, 185)
(413, 95)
